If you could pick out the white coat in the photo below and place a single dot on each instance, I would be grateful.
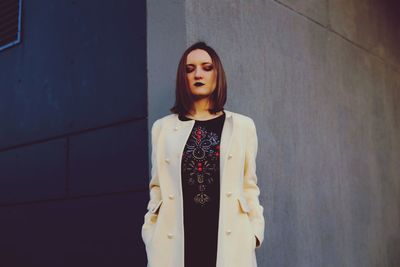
(241, 218)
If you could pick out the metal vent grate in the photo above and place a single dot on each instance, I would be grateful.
(10, 23)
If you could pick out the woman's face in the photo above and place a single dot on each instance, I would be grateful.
(200, 72)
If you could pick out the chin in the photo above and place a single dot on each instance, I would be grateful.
(201, 91)
(200, 96)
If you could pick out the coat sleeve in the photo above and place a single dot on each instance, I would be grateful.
(251, 189)
(154, 184)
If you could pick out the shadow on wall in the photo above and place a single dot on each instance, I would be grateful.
(390, 10)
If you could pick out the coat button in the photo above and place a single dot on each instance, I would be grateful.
(170, 236)
(229, 156)
(171, 196)
(176, 128)
(229, 194)
(167, 160)
(228, 232)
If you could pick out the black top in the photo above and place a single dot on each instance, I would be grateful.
(201, 191)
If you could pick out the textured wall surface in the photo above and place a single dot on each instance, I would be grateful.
(321, 79)
(166, 41)
(73, 136)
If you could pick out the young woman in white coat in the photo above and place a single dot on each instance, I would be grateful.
(204, 208)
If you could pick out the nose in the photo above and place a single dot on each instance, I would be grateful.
(198, 73)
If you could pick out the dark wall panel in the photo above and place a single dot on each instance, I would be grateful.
(81, 64)
(109, 160)
(82, 232)
(33, 172)
(73, 136)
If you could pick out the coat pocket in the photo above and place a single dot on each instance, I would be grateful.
(150, 221)
(244, 208)
(243, 205)
(155, 208)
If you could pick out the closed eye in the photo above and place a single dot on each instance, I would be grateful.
(189, 69)
(208, 68)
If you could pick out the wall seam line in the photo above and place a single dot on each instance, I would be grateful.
(328, 28)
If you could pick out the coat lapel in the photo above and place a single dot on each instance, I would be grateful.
(226, 140)
(182, 131)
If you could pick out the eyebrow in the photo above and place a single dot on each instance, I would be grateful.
(201, 63)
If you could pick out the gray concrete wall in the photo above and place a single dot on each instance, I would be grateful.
(166, 41)
(321, 79)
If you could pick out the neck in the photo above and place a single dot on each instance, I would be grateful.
(200, 110)
(200, 107)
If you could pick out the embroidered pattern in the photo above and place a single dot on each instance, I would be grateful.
(200, 161)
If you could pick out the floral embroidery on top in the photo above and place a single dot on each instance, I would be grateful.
(200, 161)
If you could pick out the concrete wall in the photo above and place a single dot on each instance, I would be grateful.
(73, 136)
(166, 41)
(321, 79)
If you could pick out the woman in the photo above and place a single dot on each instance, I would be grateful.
(204, 208)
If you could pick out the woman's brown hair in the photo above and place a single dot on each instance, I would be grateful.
(183, 96)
